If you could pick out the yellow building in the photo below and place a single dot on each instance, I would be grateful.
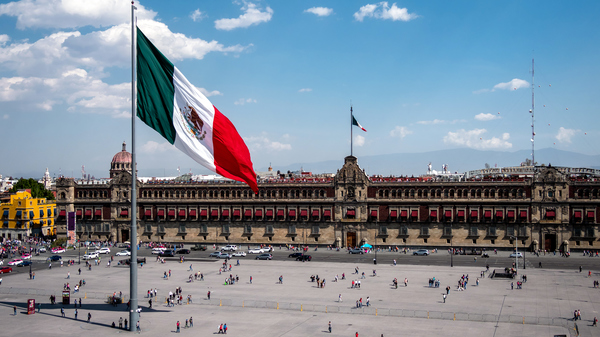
(26, 216)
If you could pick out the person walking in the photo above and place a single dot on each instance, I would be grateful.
(137, 326)
(250, 279)
(177, 327)
(15, 310)
(340, 298)
(225, 328)
(208, 294)
(120, 322)
(445, 298)
(329, 326)
(39, 307)
(191, 322)
(75, 314)
(89, 316)
(62, 312)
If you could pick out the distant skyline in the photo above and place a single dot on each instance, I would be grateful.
(421, 77)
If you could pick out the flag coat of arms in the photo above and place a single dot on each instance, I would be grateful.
(176, 109)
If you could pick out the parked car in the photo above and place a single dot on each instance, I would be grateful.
(421, 252)
(103, 250)
(255, 250)
(295, 255)
(25, 263)
(229, 248)
(42, 249)
(267, 249)
(239, 254)
(199, 247)
(124, 253)
(54, 258)
(15, 262)
(26, 256)
(264, 257)
(91, 256)
(356, 251)
(225, 256)
(58, 250)
(215, 254)
(4, 270)
(183, 251)
(517, 255)
(304, 258)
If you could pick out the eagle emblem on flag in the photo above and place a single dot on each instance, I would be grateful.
(194, 122)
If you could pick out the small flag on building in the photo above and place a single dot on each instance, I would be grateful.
(175, 108)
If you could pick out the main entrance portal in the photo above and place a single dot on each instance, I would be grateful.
(124, 235)
(351, 239)
(550, 242)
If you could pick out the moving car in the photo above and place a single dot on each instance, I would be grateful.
(295, 255)
(15, 262)
(124, 253)
(238, 254)
(517, 255)
(5, 270)
(103, 250)
(157, 250)
(229, 248)
(255, 250)
(356, 251)
(25, 263)
(267, 249)
(199, 247)
(58, 250)
(421, 252)
(304, 258)
(91, 256)
(167, 253)
(264, 257)
(225, 256)
(26, 256)
(183, 251)
(54, 258)
(42, 249)
(215, 254)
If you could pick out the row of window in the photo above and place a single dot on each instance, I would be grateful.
(23, 214)
(452, 193)
(238, 214)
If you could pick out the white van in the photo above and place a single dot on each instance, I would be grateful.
(229, 248)
(158, 250)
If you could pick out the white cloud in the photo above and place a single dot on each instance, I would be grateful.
(153, 147)
(3, 39)
(243, 101)
(210, 93)
(487, 117)
(565, 135)
(72, 13)
(252, 16)
(441, 121)
(197, 15)
(6, 116)
(263, 142)
(383, 11)
(513, 84)
(320, 11)
(305, 90)
(400, 132)
(474, 139)
(359, 140)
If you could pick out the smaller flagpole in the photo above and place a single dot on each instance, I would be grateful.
(133, 275)
(351, 119)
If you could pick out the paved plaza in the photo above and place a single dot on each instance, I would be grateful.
(297, 307)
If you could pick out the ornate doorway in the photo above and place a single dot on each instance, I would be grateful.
(351, 239)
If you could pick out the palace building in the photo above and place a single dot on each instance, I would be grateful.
(542, 207)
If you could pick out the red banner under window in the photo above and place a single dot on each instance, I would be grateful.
(461, 214)
(448, 214)
(315, 213)
(524, 214)
(160, 212)
(204, 213)
(499, 214)
(236, 212)
(248, 213)
(269, 213)
(473, 214)
(511, 214)
(303, 213)
(225, 213)
(590, 214)
(98, 212)
(351, 212)
(214, 213)
(414, 214)
(88, 212)
(171, 212)
(393, 214)
(62, 213)
(292, 213)
(148, 212)
(279, 212)
(192, 212)
(404, 213)
(434, 214)
(487, 214)
(327, 213)
(549, 214)
(182, 212)
(374, 214)
(78, 212)
(258, 213)
(578, 214)
(124, 213)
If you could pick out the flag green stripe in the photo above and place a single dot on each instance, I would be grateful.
(155, 90)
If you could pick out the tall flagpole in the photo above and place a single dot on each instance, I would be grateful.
(133, 277)
(351, 130)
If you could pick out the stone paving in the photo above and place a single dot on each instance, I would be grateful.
(544, 307)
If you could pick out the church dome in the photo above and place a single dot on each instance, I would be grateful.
(122, 157)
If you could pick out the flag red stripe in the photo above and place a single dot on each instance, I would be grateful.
(232, 157)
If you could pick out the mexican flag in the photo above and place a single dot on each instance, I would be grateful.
(171, 105)
(355, 122)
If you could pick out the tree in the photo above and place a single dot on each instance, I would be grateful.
(487, 166)
(37, 189)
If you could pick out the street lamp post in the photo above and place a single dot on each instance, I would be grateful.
(451, 253)
(516, 254)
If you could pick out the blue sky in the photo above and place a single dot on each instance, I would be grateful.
(421, 76)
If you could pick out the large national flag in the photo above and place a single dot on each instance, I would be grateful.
(355, 122)
(172, 106)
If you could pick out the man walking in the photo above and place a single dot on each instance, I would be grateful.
(177, 327)
(120, 322)
(329, 326)
(89, 316)
(444, 298)
(137, 327)
(75, 314)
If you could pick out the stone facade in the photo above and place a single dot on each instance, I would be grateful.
(549, 209)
